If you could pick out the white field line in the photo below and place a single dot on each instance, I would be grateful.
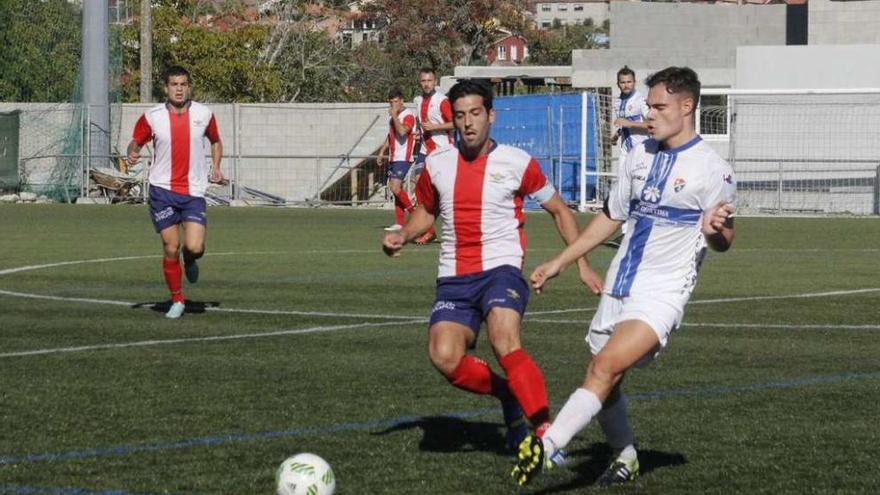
(783, 326)
(407, 319)
(149, 343)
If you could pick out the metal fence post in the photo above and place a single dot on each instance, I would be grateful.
(779, 191)
(877, 192)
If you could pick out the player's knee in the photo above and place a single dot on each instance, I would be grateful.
(603, 369)
(171, 249)
(395, 187)
(195, 249)
(444, 358)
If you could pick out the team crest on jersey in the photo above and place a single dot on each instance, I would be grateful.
(496, 177)
(651, 194)
(727, 178)
(679, 184)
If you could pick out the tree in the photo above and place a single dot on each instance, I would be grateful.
(554, 46)
(221, 52)
(41, 44)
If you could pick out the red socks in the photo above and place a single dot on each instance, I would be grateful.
(527, 383)
(173, 275)
(474, 375)
(402, 203)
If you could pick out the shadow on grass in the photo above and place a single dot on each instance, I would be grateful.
(191, 306)
(589, 463)
(449, 434)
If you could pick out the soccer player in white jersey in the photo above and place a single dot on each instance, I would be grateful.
(678, 197)
(179, 176)
(630, 111)
(399, 144)
(434, 118)
(477, 189)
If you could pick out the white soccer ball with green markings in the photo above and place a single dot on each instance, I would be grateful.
(305, 474)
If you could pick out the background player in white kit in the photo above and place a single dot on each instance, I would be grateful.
(179, 177)
(678, 196)
(631, 129)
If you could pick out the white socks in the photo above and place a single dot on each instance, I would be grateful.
(574, 416)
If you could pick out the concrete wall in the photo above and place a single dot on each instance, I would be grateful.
(286, 150)
(651, 36)
(841, 23)
(571, 12)
(808, 66)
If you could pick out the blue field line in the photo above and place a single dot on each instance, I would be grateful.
(34, 490)
(393, 422)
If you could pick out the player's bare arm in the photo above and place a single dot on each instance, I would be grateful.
(419, 222)
(718, 227)
(431, 126)
(133, 154)
(600, 228)
(566, 225)
(216, 156)
(621, 122)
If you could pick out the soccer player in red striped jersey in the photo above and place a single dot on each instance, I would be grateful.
(399, 144)
(477, 189)
(435, 126)
(179, 176)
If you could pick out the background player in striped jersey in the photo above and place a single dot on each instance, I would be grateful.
(678, 197)
(179, 176)
(630, 110)
(477, 189)
(434, 117)
(399, 146)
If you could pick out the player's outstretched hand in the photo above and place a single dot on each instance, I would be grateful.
(591, 279)
(715, 218)
(543, 273)
(392, 243)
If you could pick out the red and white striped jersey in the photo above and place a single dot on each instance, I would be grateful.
(179, 163)
(480, 205)
(435, 109)
(401, 146)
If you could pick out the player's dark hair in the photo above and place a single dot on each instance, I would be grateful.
(395, 93)
(175, 70)
(428, 70)
(677, 80)
(469, 87)
(626, 71)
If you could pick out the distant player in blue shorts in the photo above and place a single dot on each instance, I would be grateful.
(399, 145)
(179, 177)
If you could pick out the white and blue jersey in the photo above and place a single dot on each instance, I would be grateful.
(662, 194)
(631, 107)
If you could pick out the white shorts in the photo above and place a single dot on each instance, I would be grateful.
(662, 314)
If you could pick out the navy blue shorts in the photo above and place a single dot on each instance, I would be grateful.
(467, 299)
(419, 165)
(170, 208)
(398, 170)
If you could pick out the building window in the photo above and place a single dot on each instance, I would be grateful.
(578, 8)
(562, 7)
(502, 52)
(545, 8)
(546, 25)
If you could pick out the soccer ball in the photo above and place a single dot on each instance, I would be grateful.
(305, 474)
